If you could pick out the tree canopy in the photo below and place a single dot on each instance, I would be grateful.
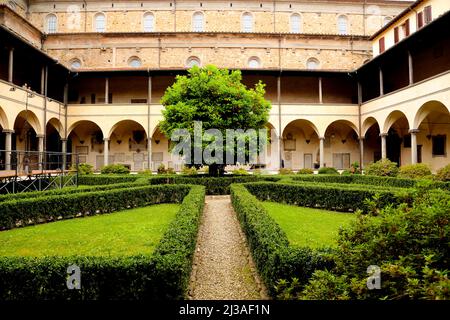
(218, 99)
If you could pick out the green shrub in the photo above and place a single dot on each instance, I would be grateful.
(239, 172)
(189, 171)
(115, 169)
(146, 172)
(162, 169)
(346, 172)
(285, 171)
(443, 174)
(331, 197)
(26, 211)
(383, 167)
(162, 275)
(269, 246)
(415, 171)
(170, 171)
(328, 170)
(83, 168)
(95, 179)
(410, 245)
(305, 171)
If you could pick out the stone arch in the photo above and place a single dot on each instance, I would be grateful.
(393, 117)
(126, 122)
(427, 108)
(31, 118)
(302, 122)
(77, 123)
(4, 123)
(56, 123)
(367, 124)
(343, 122)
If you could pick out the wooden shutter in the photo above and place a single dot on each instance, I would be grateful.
(407, 27)
(396, 35)
(419, 20)
(428, 16)
(381, 44)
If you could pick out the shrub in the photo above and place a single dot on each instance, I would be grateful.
(305, 171)
(383, 167)
(410, 245)
(146, 171)
(49, 208)
(285, 171)
(239, 172)
(115, 169)
(83, 168)
(161, 275)
(190, 171)
(106, 179)
(415, 171)
(269, 246)
(331, 197)
(328, 170)
(443, 174)
(170, 171)
(162, 169)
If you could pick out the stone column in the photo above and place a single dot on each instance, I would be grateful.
(106, 152)
(320, 90)
(361, 152)
(413, 133)
(64, 154)
(8, 145)
(410, 68)
(107, 90)
(11, 65)
(149, 153)
(321, 151)
(383, 145)
(381, 82)
(41, 150)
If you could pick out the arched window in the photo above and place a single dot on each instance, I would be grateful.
(247, 22)
(134, 62)
(342, 25)
(386, 20)
(295, 23)
(100, 22)
(75, 63)
(50, 23)
(192, 61)
(254, 62)
(197, 22)
(149, 22)
(312, 64)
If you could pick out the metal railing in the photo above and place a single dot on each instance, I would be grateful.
(36, 171)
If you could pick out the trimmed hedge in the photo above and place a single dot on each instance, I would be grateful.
(213, 185)
(331, 197)
(95, 179)
(162, 275)
(370, 180)
(69, 190)
(273, 256)
(49, 208)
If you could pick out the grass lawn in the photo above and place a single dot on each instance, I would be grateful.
(308, 227)
(129, 232)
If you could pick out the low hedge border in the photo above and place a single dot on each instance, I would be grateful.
(27, 211)
(269, 245)
(331, 197)
(161, 275)
(69, 190)
(213, 185)
(370, 180)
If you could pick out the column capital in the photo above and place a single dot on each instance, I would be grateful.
(384, 134)
(8, 131)
(361, 138)
(106, 139)
(414, 131)
(63, 139)
(321, 138)
(40, 136)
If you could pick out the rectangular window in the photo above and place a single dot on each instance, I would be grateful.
(439, 143)
(396, 35)
(407, 141)
(381, 45)
(406, 28)
(419, 20)
(427, 15)
(341, 160)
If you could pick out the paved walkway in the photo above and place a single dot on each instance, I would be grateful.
(223, 268)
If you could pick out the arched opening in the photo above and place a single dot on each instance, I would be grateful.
(372, 141)
(51, 23)
(197, 22)
(100, 22)
(86, 139)
(128, 145)
(300, 145)
(53, 143)
(398, 141)
(295, 23)
(433, 137)
(341, 145)
(149, 22)
(26, 129)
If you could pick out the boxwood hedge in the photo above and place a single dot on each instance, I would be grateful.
(21, 212)
(273, 256)
(161, 275)
(329, 196)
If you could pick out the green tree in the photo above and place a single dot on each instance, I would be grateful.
(218, 99)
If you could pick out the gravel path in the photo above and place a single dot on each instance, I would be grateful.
(223, 268)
